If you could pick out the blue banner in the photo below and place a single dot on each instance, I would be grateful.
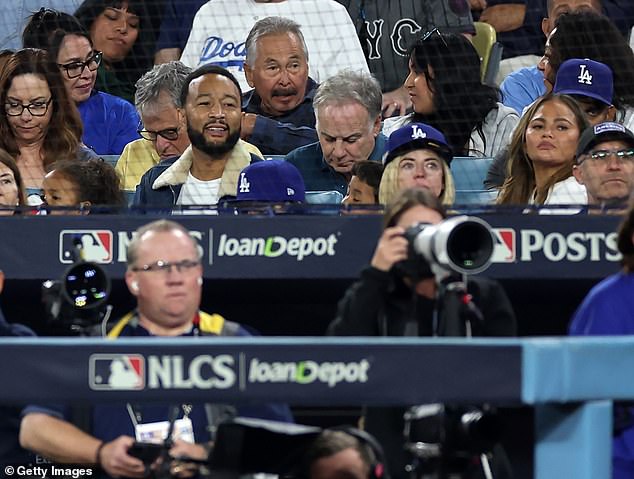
(294, 247)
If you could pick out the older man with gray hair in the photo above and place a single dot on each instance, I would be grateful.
(348, 110)
(279, 114)
(164, 131)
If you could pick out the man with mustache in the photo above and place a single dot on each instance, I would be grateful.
(208, 169)
(279, 115)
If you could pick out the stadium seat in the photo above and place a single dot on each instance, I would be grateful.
(484, 41)
(475, 197)
(112, 159)
(324, 197)
(469, 173)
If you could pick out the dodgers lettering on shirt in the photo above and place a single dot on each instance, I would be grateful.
(216, 49)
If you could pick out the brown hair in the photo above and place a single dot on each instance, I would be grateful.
(407, 199)
(7, 160)
(65, 128)
(520, 182)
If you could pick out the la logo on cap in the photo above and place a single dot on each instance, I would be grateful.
(245, 186)
(585, 76)
(417, 133)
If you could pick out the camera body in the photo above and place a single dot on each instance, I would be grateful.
(460, 244)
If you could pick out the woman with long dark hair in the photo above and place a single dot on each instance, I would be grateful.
(447, 93)
(109, 122)
(39, 123)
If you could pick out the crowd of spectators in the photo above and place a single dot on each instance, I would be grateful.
(192, 107)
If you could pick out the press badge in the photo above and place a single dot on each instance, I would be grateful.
(156, 432)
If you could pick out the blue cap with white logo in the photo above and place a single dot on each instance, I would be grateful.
(274, 181)
(585, 77)
(415, 136)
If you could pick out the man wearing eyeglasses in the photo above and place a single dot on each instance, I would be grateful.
(165, 275)
(605, 165)
(163, 127)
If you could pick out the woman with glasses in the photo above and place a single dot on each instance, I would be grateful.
(447, 93)
(418, 156)
(122, 30)
(39, 124)
(542, 155)
(109, 122)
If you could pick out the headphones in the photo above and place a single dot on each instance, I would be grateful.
(372, 448)
(200, 281)
(135, 286)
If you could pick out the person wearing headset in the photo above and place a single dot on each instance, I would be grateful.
(165, 275)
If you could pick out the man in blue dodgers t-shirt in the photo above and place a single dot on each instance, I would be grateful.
(165, 274)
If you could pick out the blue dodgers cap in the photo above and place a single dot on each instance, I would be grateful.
(414, 136)
(585, 77)
(274, 181)
(606, 131)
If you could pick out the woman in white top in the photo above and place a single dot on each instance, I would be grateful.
(447, 93)
(542, 154)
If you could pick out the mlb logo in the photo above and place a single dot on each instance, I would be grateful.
(95, 245)
(116, 372)
(504, 248)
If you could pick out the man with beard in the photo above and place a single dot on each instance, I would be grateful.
(279, 114)
(208, 169)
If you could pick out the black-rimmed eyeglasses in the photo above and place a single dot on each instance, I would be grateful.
(170, 134)
(37, 108)
(75, 69)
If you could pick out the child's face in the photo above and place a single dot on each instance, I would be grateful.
(359, 193)
(60, 191)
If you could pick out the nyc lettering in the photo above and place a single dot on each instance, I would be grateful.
(405, 27)
(585, 76)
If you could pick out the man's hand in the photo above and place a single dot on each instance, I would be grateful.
(391, 249)
(477, 4)
(248, 124)
(396, 102)
(504, 17)
(182, 449)
(115, 460)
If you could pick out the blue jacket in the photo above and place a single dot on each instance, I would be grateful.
(161, 185)
(282, 134)
(110, 123)
(318, 175)
(608, 309)
(522, 87)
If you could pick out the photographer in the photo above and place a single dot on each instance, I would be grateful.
(165, 275)
(398, 296)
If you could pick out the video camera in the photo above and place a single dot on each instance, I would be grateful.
(77, 303)
(460, 244)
